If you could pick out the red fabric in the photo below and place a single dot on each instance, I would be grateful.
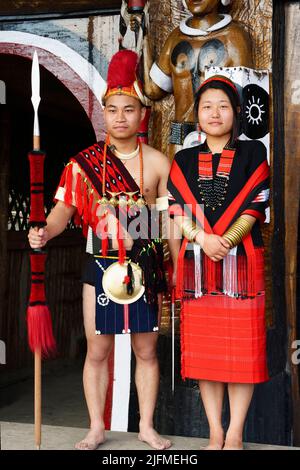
(180, 275)
(223, 339)
(258, 215)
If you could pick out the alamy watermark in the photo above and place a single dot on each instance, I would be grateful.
(296, 354)
(144, 223)
(296, 92)
(2, 92)
(2, 352)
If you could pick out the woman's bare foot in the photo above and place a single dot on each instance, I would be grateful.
(92, 440)
(233, 443)
(216, 440)
(151, 437)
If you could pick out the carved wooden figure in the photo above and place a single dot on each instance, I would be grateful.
(204, 39)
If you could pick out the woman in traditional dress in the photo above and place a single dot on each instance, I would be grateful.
(218, 195)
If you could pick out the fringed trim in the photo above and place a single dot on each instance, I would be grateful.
(78, 194)
(230, 284)
(180, 270)
(102, 226)
(68, 184)
(235, 276)
(83, 195)
(90, 195)
(85, 203)
(198, 271)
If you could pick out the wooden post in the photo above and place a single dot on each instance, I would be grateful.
(292, 191)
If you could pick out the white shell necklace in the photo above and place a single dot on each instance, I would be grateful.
(126, 156)
(185, 29)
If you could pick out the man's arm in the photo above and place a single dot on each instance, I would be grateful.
(57, 221)
(58, 218)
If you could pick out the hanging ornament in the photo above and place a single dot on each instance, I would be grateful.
(114, 201)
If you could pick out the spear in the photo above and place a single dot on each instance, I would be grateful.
(39, 324)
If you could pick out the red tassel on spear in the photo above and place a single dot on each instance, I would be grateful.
(39, 324)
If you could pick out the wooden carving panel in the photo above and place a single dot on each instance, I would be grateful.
(255, 15)
(25, 7)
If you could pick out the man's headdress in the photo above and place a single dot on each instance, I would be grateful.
(122, 76)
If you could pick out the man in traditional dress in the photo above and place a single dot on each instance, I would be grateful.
(107, 188)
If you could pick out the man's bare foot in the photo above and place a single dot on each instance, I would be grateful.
(151, 437)
(92, 440)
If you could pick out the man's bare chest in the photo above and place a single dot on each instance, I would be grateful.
(149, 180)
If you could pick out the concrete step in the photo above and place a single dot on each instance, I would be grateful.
(20, 436)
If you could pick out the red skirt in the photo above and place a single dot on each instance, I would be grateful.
(223, 339)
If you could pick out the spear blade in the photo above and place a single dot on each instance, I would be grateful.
(35, 98)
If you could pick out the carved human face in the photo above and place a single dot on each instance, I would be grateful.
(215, 113)
(200, 7)
(123, 115)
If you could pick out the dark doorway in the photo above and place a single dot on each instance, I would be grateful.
(65, 127)
(65, 130)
